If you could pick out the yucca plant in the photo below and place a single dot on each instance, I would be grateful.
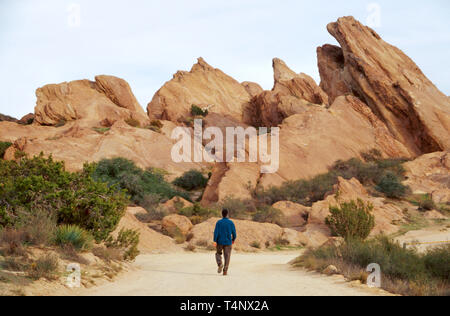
(72, 235)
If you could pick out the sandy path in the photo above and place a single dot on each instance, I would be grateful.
(194, 274)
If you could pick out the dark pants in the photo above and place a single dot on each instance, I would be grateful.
(226, 253)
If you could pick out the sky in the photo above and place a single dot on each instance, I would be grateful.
(146, 42)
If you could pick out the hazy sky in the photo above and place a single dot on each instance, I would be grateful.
(145, 42)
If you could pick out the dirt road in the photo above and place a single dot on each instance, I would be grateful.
(194, 274)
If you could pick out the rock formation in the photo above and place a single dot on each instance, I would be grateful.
(387, 80)
(203, 86)
(430, 174)
(107, 98)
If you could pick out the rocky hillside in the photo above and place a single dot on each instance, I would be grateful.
(371, 97)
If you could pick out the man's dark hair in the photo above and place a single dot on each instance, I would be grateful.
(224, 212)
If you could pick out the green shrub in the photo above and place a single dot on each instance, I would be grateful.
(352, 220)
(391, 186)
(437, 262)
(71, 235)
(133, 122)
(405, 271)
(3, 147)
(191, 180)
(146, 188)
(127, 241)
(256, 245)
(198, 214)
(268, 214)
(370, 173)
(75, 198)
(197, 111)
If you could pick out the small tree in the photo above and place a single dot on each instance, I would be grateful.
(197, 111)
(352, 220)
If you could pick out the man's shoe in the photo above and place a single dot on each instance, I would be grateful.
(220, 269)
(225, 273)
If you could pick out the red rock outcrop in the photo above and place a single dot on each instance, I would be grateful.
(203, 86)
(394, 87)
(107, 98)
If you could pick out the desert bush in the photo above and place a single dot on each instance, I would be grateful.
(256, 244)
(191, 180)
(391, 186)
(133, 122)
(426, 203)
(374, 172)
(45, 266)
(190, 247)
(268, 214)
(39, 226)
(437, 262)
(198, 214)
(3, 147)
(405, 271)
(128, 241)
(175, 233)
(101, 130)
(352, 220)
(74, 236)
(108, 254)
(146, 188)
(238, 208)
(13, 241)
(197, 111)
(76, 198)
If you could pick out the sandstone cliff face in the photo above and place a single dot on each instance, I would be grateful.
(310, 142)
(107, 98)
(203, 86)
(397, 91)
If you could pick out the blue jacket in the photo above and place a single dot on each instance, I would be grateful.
(225, 232)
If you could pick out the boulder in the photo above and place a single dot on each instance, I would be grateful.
(177, 202)
(107, 98)
(203, 86)
(434, 215)
(27, 119)
(150, 241)
(179, 222)
(294, 214)
(330, 270)
(414, 110)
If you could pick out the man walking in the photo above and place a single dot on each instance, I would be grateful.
(224, 237)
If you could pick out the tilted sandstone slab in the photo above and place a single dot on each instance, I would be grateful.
(203, 86)
(107, 98)
(77, 143)
(414, 110)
